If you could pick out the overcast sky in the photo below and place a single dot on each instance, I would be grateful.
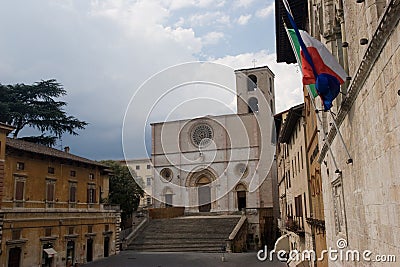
(102, 51)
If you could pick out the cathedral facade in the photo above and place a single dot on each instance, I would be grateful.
(220, 164)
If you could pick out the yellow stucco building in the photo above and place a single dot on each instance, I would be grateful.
(51, 212)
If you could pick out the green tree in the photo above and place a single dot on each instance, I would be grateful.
(124, 191)
(37, 106)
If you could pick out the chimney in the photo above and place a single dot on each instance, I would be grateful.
(66, 149)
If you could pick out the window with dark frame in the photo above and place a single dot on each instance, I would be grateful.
(137, 167)
(71, 230)
(91, 194)
(50, 170)
(91, 176)
(72, 173)
(90, 229)
(20, 166)
(148, 166)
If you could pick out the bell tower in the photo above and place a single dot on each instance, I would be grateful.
(255, 90)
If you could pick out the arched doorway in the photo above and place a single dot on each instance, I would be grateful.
(204, 194)
(241, 196)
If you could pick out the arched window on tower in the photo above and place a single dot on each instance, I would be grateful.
(253, 105)
(251, 83)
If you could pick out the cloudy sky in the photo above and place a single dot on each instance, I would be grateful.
(102, 51)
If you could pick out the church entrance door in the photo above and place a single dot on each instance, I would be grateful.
(204, 194)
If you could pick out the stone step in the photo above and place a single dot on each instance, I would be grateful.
(178, 241)
(177, 249)
(185, 234)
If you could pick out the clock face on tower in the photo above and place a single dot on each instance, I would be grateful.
(201, 135)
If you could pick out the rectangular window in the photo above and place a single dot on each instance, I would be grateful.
(20, 166)
(16, 234)
(148, 200)
(148, 166)
(91, 194)
(50, 170)
(90, 228)
(47, 231)
(19, 191)
(148, 182)
(71, 230)
(50, 187)
(106, 228)
(72, 173)
(298, 160)
(137, 167)
(301, 153)
(298, 206)
(91, 176)
(292, 169)
(72, 192)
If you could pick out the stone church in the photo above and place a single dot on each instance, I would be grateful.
(221, 164)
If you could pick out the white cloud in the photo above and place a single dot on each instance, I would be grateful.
(267, 11)
(180, 4)
(244, 19)
(243, 3)
(185, 37)
(208, 18)
(288, 91)
(212, 38)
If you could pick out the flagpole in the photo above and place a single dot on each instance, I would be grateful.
(312, 101)
(349, 159)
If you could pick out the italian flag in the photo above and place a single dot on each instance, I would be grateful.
(323, 60)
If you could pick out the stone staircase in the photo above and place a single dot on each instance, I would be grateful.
(188, 233)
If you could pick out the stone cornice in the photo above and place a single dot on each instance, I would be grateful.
(385, 28)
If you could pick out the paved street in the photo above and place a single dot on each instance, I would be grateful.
(175, 259)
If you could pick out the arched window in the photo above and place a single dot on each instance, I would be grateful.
(271, 105)
(251, 83)
(270, 84)
(253, 105)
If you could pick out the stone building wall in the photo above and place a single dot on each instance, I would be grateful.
(362, 201)
(36, 216)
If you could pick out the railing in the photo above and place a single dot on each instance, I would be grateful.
(135, 230)
(237, 239)
(124, 233)
(295, 225)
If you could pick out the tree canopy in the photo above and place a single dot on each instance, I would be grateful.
(124, 191)
(37, 106)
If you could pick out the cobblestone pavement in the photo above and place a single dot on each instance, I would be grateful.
(187, 259)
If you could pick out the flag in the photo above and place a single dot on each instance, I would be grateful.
(296, 46)
(318, 65)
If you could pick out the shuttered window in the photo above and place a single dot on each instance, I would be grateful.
(19, 190)
(50, 191)
(72, 193)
